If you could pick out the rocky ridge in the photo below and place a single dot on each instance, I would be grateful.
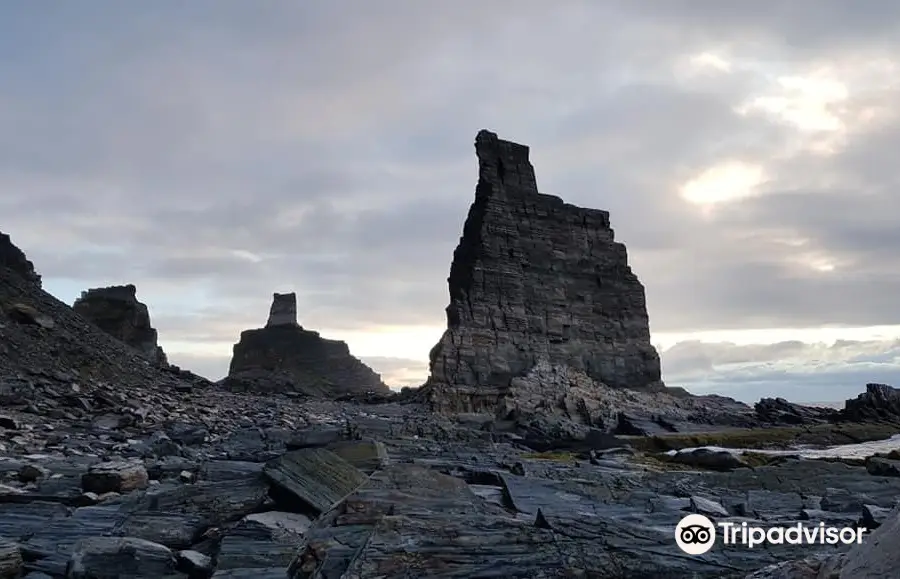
(285, 357)
(117, 311)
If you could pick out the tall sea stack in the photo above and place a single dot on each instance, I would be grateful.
(535, 281)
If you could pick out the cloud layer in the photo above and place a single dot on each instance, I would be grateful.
(215, 152)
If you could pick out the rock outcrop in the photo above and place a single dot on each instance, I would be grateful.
(878, 402)
(13, 259)
(117, 311)
(536, 279)
(285, 357)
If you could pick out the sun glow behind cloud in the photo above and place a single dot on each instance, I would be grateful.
(728, 181)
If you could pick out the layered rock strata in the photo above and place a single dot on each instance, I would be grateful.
(283, 356)
(117, 311)
(535, 280)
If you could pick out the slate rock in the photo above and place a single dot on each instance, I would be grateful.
(186, 433)
(173, 530)
(318, 478)
(10, 559)
(194, 563)
(822, 566)
(315, 437)
(367, 455)
(223, 470)
(878, 466)
(114, 557)
(120, 477)
(708, 507)
(708, 459)
(214, 502)
(873, 516)
(878, 557)
(33, 472)
(262, 540)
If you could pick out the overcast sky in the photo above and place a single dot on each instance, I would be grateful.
(214, 152)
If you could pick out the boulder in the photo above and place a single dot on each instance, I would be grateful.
(119, 477)
(878, 466)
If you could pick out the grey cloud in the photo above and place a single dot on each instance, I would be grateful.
(802, 25)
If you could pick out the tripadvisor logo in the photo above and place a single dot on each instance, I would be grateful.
(696, 534)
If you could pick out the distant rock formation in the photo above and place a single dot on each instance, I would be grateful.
(878, 402)
(13, 258)
(117, 311)
(536, 280)
(284, 357)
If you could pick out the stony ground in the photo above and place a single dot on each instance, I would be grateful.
(223, 485)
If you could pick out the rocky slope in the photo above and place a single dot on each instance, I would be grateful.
(46, 345)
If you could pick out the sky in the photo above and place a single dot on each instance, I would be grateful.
(215, 152)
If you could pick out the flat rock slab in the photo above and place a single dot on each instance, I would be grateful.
(114, 557)
(173, 530)
(18, 521)
(263, 540)
(316, 477)
(366, 455)
(458, 547)
(217, 503)
(49, 546)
